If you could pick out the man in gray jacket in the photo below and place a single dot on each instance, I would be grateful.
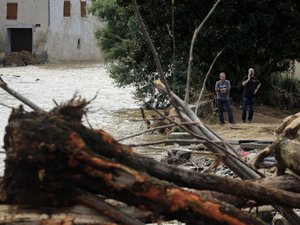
(222, 88)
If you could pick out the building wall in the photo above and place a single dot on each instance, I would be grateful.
(71, 38)
(31, 14)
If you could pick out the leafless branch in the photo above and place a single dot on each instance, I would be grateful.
(101, 206)
(150, 130)
(196, 32)
(205, 79)
(183, 127)
(87, 120)
(15, 94)
(7, 106)
(152, 48)
(146, 131)
(173, 141)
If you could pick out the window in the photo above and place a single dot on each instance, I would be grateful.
(12, 11)
(83, 8)
(67, 8)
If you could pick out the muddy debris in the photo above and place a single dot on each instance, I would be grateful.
(23, 58)
(68, 163)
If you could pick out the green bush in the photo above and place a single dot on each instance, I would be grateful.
(285, 93)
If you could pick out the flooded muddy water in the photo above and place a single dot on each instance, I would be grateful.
(113, 110)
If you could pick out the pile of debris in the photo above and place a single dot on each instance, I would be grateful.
(52, 159)
(23, 58)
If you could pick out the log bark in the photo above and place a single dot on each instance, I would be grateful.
(26, 101)
(78, 214)
(284, 182)
(52, 155)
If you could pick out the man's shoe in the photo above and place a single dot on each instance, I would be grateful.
(233, 122)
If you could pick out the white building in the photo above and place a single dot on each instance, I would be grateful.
(61, 28)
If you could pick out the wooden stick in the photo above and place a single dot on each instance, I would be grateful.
(173, 141)
(196, 32)
(205, 79)
(151, 46)
(26, 101)
(101, 206)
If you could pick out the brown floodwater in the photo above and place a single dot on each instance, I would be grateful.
(113, 110)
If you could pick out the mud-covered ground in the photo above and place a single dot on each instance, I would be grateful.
(265, 121)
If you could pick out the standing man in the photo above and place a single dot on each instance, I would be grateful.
(222, 88)
(251, 86)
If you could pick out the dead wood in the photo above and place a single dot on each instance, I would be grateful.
(51, 155)
(286, 148)
(26, 101)
(251, 190)
(284, 182)
(78, 214)
(196, 32)
(106, 209)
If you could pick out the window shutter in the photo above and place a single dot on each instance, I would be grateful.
(67, 8)
(83, 8)
(12, 11)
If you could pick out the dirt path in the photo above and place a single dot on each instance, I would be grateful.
(265, 121)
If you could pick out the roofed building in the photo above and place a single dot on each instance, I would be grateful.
(62, 29)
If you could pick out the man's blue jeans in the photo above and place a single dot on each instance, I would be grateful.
(248, 100)
(221, 103)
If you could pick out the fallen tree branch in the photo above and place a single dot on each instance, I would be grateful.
(205, 79)
(151, 46)
(196, 32)
(26, 101)
(173, 141)
(106, 209)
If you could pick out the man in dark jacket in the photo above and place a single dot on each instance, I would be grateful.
(251, 86)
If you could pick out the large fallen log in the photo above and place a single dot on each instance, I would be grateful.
(53, 160)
